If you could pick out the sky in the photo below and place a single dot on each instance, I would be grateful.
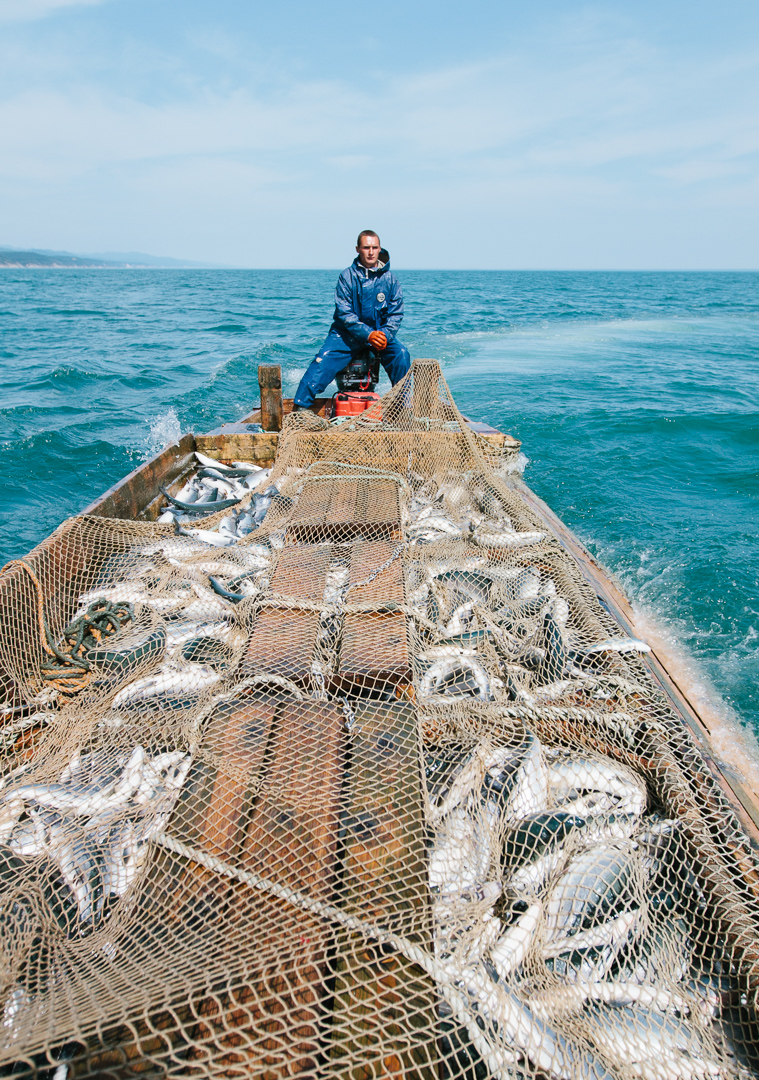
(492, 134)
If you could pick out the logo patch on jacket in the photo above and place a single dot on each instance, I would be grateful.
(381, 297)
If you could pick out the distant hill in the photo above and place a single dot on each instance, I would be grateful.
(109, 260)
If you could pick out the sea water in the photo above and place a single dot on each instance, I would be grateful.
(635, 396)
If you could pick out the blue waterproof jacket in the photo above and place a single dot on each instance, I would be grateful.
(367, 300)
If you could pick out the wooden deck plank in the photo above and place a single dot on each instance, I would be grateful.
(385, 1007)
(341, 509)
(283, 642)
(273, 1022)
(292, 835)
(374, 651)
(301, 570)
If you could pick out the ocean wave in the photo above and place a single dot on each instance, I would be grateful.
(74, 311)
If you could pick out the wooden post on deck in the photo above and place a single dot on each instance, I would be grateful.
(270, 385)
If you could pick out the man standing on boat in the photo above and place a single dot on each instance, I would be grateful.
(368, 312)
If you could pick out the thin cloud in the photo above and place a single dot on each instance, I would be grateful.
(572, 140)
(31, 10)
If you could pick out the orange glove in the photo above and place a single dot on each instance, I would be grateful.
(377, 340)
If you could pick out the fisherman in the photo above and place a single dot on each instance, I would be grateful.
(368, 312)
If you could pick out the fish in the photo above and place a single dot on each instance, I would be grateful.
(209, 605)
(123, 858)
(173, 547)
(454, 494)
(208, 650)
(224, 472)
(82, 871)
(592, 964)
(463, 934)
(163, 604)
(449, 784)
(528, 882)
(595, 883)
(472, 584)
(459, 620)
(534, 834)
(616, 932)
(458, 673)
(592, 774)
(441, 652)
(509, 951)
(188, 678)
(548, 1050)
(516, 611)
(619, 645)
(654, 1046)
(490, 505)
(571, 997)
(472, 639)
(200, 507)
(207, 536)
(663, 955)
(552, 641)
(438, 524)
(28, 838)
(517, 582)
(256, 555)
(507, 538)
(163, 775)
(529, 794)
(460, 855)
(178, 633)
(111, 789)
(217, 587)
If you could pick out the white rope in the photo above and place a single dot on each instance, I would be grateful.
(495, 1057)
(357, 472)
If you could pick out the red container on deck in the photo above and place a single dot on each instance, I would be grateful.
(351, 403)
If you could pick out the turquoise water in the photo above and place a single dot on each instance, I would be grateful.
(635, 396)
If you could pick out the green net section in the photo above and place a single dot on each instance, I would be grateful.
(378, 790)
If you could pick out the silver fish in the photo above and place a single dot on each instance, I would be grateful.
(614, 933)
(546, 1048)
(461, 853)
(619, 645)
(654, 1046)
(511, 948)
(530, 792)
(190, 679)
(593, 884)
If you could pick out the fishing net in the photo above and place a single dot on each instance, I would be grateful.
(379, 790)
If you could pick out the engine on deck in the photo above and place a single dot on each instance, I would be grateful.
(356, 385)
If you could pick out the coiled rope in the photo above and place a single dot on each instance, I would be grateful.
(67, 669)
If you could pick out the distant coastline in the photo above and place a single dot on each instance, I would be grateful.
(17, 259)
(22, 260)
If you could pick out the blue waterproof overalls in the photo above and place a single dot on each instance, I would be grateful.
(365, 300)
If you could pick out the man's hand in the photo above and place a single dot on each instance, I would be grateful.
(377, 340)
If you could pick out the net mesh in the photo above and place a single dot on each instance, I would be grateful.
(395, 798)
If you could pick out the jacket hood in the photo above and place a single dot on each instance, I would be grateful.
(384, 258)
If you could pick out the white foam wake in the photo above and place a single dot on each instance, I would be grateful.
(733, 744)
(164, 430)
